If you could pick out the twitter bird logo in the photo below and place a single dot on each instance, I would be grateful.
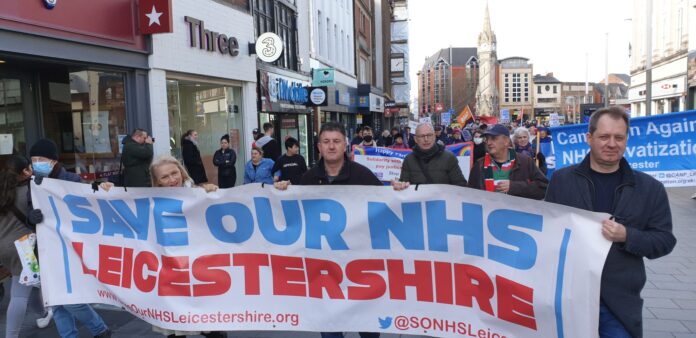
(385, 323)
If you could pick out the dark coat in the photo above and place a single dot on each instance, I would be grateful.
(11, 229)
(351, 174)
(443, 168)
(227, 172)
(136, 163)
(193, 162)
(526, 180)
(641, 205)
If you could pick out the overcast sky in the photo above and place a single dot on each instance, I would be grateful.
(555, 35)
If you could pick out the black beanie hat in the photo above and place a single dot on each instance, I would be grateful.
(45, 148)
(225, 137)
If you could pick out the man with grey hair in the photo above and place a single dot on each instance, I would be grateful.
(640, 225)
(429, 163)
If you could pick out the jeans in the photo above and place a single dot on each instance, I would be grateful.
(340, 335)
(64, 316)
(609, 326)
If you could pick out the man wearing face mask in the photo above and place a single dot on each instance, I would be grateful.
(368, 138)
(44, 163)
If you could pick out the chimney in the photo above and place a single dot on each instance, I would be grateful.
(549, 74)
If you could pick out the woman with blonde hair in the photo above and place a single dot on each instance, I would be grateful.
(167, 171)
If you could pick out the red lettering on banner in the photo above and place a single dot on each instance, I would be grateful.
(251, 264)
(143, 281)
(515, 302)
(317, 280)
(110, 264)
(78, 246)
(215, 281)
(174, 278)
(288, 276)
(357, 272)
(127, 275)
(444, 293)
(422, 279)
(466, 290)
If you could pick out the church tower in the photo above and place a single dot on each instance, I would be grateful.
(487, 91)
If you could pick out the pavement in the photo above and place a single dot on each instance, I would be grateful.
(670, 292)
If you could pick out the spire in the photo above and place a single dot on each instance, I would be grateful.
(487, 33)
(487, 23)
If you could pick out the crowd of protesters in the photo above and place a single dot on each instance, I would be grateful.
(507, 160)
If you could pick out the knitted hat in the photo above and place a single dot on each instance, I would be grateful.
(44, 148)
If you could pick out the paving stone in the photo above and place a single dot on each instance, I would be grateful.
(678, 314)
(664, 325)
(663, 303)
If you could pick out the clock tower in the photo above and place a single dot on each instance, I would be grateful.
(487, 90)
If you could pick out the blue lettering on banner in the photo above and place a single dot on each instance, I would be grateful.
(166, 218)
(325, 220)
(470, 227)
(138, 223)
(244, 222)
(383, 221)
(293, 221)
(660, 143)
(499, 224)
(330, 229)
(91, 224)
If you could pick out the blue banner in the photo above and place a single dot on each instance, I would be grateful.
(663, 146)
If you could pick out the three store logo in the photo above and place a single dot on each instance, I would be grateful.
(155, 16)
(50, 3)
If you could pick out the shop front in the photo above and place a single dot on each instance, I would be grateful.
(282, 102)
(81, 83)
(202, 78)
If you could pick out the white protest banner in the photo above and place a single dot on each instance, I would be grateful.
(386, 163)
(441, 261)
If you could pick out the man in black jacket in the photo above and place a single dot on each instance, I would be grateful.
(334, 167)
(136, 159)
(641, 222)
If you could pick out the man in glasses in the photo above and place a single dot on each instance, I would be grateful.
(429, 163)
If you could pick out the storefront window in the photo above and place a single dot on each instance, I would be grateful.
(212, 110)
(12, 136)
(84, 113)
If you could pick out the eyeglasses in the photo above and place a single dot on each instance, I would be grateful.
(425, 136)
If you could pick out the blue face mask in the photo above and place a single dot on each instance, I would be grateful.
(42, 168)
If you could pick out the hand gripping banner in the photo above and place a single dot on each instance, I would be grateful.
(438, 260)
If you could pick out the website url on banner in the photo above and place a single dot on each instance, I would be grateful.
(206, 317)
(442, 325)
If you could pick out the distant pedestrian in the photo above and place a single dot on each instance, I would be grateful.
(192, 157)
(398, 142)
(367, 137)
(640, 225)
(292, 165)
(269, 145)
(136, 159)
(429, 163)
(504, 170)
(225, 159)
(258, 169)
(520, 139)
(479, 146)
